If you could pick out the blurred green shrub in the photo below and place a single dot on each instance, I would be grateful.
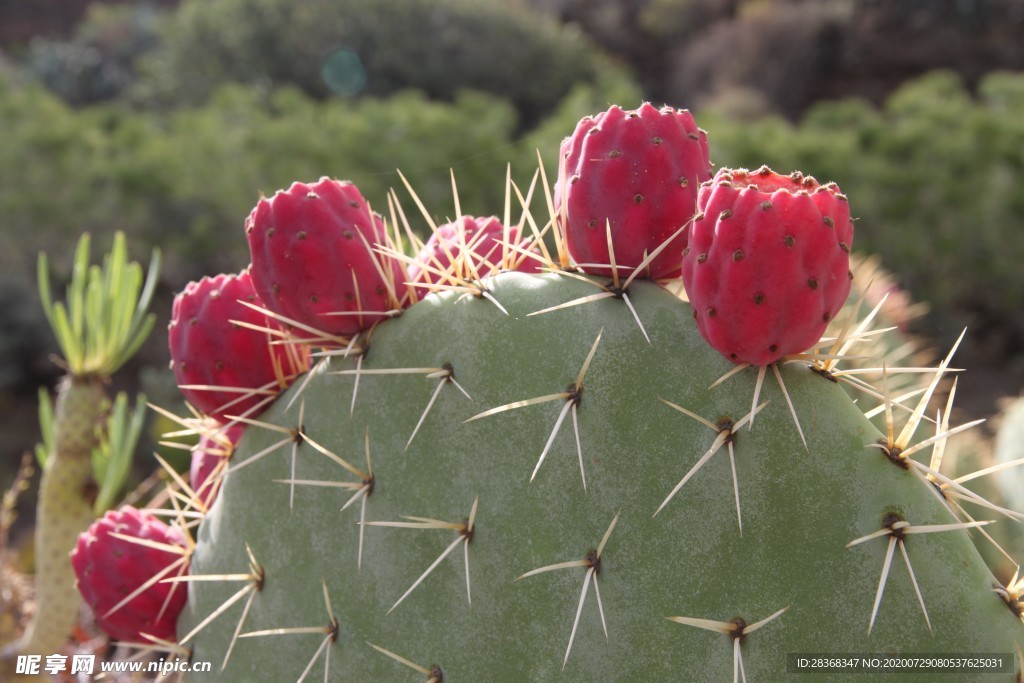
(214, 161)
(936, 178)
(51, 176)
(373, 47)
(98, 62)
(186, 179)
(585, 99)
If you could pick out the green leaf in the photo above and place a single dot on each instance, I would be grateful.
(112, 459)
(104, 319)
(76, 289)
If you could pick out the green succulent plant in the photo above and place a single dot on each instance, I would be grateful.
(88, 441)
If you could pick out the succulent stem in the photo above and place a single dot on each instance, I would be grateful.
(64, 510)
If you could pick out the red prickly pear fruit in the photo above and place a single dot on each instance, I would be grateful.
(768, 263)
(637, 172)
(210, 349)
(314, 260)
(109, 569)
(476, 246)
(209, 458)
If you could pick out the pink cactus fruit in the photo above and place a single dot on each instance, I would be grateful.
(314, 258)
(209, 348)
(469, 247)
(639, 172)
(210, 459)
(768, 263)
(126, 554)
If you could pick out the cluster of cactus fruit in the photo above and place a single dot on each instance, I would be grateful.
(484, 458)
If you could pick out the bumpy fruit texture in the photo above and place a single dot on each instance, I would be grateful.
(210, 349)
(639, 172)
(768, 263)
(109, 569)
(634, 553)
(469, 248)
(209, 461)
(313, 258)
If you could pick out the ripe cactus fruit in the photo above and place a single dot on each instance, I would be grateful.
(768, 263)
(314, 260)
(478, 555)
(634, 174)
(120, 562)
(468, 248)
(225, 367)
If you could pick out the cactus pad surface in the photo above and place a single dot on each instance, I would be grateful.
(488, 497)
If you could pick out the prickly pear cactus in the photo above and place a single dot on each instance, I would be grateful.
(530, 467)
(478, 492)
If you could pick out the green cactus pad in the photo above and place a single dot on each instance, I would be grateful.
(800, 508)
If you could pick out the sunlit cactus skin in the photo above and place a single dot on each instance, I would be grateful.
(293, 559)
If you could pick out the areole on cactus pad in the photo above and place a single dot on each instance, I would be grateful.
(540, 476)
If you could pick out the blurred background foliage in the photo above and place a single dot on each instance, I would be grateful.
(374, 48)
(166, 120)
